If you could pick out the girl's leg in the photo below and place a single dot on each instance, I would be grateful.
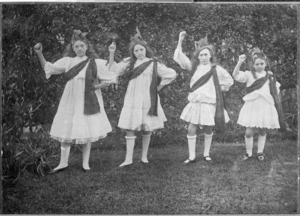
(208, 134)
(261, 143)
(130, 141)
(249, 143)
(192, 138)
(146, 137)
(64, 157)
(86, 150)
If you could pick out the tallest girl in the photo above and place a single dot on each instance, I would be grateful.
(80, 117)
(206, 106)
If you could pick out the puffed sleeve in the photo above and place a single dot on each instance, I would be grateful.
(166, 74)
(57, 67)
(182, 59)
(242, 77)
(120, 68)
(225, 79)
(103, 72)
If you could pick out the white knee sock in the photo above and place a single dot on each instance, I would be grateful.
(145, 146)
(207, 144)
(261, 143)
(130, 141)
(192, 146)
(64, 155)
(249, 145)
(86, 150)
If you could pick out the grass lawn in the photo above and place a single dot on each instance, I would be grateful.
(165, 186)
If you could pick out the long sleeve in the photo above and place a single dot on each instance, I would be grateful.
(225, 79)
(57, 67)
(182, 59)
(103, 72)
(166, 74)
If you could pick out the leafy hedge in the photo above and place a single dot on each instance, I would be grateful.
(29, 99)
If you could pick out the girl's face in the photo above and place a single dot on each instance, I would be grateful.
(80, 48)
(139, 51)
(204, 56)
(259, 65)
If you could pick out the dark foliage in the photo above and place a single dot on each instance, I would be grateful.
(30, 100)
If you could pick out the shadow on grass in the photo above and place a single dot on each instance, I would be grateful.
(165, 186)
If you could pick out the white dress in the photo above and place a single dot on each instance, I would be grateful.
(134, 114)
(202, 102)
(259, 109)
(70, 124)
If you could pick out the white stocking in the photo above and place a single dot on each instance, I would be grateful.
(145, 146)
(261, 143)
(86, 150)
(249, 145)
(192, 146)
(64, 156)
(130, 141)
(207, 144)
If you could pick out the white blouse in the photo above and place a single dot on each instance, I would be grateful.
(207, 92)
(64, 64)
(247, 77)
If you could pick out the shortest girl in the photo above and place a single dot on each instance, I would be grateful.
(262, 108)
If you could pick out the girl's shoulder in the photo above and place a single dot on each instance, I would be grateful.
(219, 68)
(247, 72)
(99, 60)
(64, 60)
(126, 60)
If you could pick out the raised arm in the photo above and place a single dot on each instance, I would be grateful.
(236, 70)
(112, 49)
(179, 56)
(50, 69)
(38, 48)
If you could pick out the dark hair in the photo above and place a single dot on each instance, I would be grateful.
(149, 53)
(262, 56)
(90, 52)
(195, 59)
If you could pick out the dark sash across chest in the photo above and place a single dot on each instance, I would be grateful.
(257, 84)
(273, 91)
(153, 86)
(219, 114)
(91, 103)
(204, 79)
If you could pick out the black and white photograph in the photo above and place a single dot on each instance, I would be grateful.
(150, 108)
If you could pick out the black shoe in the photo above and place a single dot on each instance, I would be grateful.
(246, 157)
(207, 159)
(85, 170)
(58, 170)
(188, 161)
(261, 156)
(144, 163)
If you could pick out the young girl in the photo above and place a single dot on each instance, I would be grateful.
(262, 109)
(206, 107)
(80, 117)
(142, 110)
